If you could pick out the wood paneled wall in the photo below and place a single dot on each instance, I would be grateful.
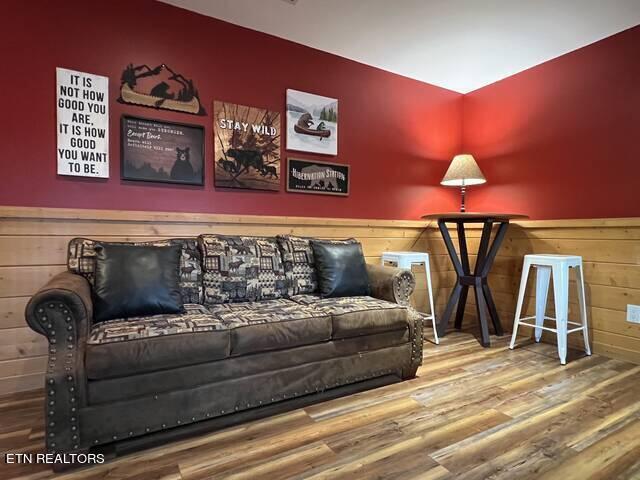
(610, 250)
(33, 249)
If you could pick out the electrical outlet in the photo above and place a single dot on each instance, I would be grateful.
(633, 313)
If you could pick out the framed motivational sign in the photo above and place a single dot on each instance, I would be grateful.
(311, 176)
(157, 151)
(82, 124)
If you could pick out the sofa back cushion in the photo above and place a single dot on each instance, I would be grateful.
(241, 269)
(81, 260)
(299, 264)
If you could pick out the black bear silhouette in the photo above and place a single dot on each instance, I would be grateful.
(227, 165)
(182, 169)
(161, 90)
(269, 170)
(245, 159)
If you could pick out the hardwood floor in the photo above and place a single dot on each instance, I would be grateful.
(471, 413)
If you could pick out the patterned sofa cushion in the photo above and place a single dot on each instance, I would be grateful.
(272, 325)
(354, 316)
(124, 347)
(196, 318)
(241, 269)
(202, 334)
(81, 259)
(299, 265)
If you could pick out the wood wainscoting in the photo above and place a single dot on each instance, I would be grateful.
(33, 245)
(610, 249)
(33, 248)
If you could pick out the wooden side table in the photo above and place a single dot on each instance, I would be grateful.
(477, 279)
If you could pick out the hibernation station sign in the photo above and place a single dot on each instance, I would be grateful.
(83, 124)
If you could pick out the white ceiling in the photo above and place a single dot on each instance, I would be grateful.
(461, 45)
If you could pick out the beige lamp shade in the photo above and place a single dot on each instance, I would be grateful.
(463, 171)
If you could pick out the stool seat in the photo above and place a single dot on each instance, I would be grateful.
(414, 257)
(404, 260)
(552, 259)
(558, 266)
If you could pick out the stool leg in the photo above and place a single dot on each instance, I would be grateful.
(561, 297)
(427, 271)
(543, 275)
(583, 308)
(523, 286)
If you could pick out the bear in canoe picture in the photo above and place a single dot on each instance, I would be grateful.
(312, 123)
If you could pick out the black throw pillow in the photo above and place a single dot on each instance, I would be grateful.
(342, 271)
(134, 280)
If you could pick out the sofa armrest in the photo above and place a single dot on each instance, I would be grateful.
(65, 288)
(391, 284)
(417, 341)
(397, 285)
(62, 312)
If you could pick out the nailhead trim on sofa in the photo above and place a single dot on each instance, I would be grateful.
(61, 385)
(242, 407)
(63, 403)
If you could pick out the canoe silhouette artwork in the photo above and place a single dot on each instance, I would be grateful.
(131, 96)
(182, 96)
(304, 124)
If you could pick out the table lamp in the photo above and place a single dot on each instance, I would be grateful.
(462, 172)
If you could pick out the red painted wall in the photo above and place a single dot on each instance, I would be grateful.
(398, 134)
(561, 140)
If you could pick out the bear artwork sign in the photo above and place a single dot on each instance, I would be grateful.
(246, 147)
(307, 176)
(158, 151)
(312, 123)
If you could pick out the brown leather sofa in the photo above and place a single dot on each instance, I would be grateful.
(133, 382)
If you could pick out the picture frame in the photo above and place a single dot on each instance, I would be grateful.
(324, 178)
(312, 123)
(246, 147)
(160, 151)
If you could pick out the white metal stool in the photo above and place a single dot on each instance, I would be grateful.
(405, 260)
(559, 266)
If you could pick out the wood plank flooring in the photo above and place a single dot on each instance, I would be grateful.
(471, 413)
